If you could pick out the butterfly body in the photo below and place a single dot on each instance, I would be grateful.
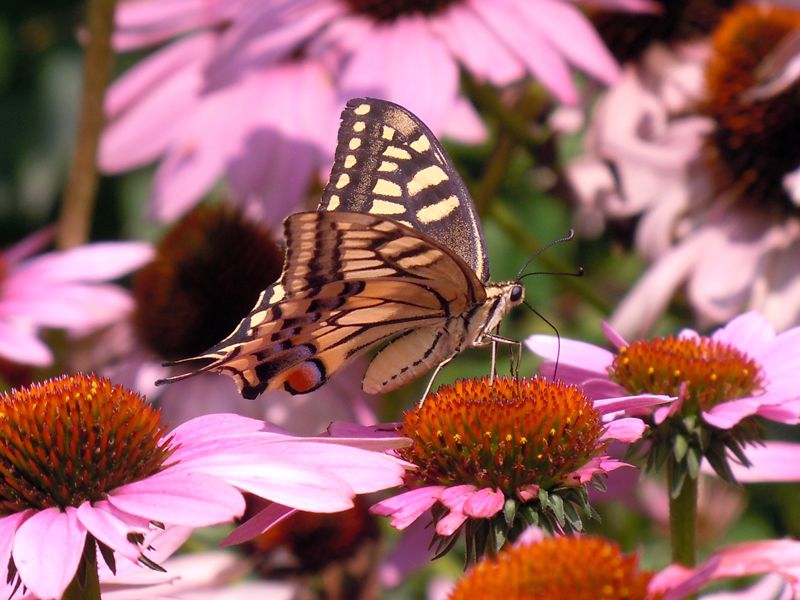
(394, 254)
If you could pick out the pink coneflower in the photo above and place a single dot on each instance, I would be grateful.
(493, 458)
(267, 133)
(90, 467)
(589, 567)
(67, 290)
(253, 92)
(722, 382)
(699, 142)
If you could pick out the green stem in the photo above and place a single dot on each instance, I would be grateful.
(517, 232)
(683, 519)
(74, 222)
(86, 583)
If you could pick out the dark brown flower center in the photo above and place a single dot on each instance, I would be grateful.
(628, 34)
(755, 142)
(578, 568)
(389, 10)
(505, 436)
(705, 371)
(75, 438)
(207, 274)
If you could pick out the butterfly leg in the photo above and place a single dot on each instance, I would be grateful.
(512, 344)
(435, 373)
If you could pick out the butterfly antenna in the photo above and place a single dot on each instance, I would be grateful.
(555, 330)
(579, 273)
(570, 235)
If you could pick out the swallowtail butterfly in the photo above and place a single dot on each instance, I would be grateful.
(395, 253)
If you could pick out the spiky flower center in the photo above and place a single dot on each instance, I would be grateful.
(207, 274)
(506, 435)
(389, 10)
(578, 568)
(755, 140)
(75, 438)
(704, 371)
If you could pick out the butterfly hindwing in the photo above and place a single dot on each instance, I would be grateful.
(351, 282)
(389, 163)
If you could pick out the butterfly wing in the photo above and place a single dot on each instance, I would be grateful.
(351, 281)
(388, 163)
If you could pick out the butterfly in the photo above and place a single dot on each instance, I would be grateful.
(395, 253)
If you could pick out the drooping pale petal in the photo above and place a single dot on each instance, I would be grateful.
(47, 550)
(111, 527)
(770, 462)
(625, 430)
(406, 508)
(484, 503)
(259, 523)
(8, 528)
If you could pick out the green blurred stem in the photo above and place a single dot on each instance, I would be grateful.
(683, 519)
(517, 232)
(75, 220)
(86, 583)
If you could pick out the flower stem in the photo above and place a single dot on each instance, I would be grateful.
(683, 519)
(86, 583)
(75, 219)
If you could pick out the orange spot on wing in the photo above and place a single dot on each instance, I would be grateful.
(304, 378)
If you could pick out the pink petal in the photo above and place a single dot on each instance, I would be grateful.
(111, 527)
(613, 336)
(30, 245)
(749, 331)
(728, 414)
(450, 523)
(406, 508)
(20, 344)
(420, 75)
(631, 404)
(625, 430)
(572, 34)
(262, 521)
(484, 503)
(645, 6)
(177, 498)
(582, 355)
(477, 46)
(76, 307)
(149, 104)
(47, 550)
(8, 529)
(99, 261)
(772, 462)
(535, 51)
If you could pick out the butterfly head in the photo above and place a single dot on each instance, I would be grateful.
(501, 298)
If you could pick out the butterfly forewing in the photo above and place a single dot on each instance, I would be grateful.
(389, 163)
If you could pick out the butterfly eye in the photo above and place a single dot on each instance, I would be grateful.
(516, 293)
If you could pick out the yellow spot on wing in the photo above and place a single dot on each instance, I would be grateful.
(387, 166)
(384, 207)
(343, 180)
(421, 144)
(362, 109)
(359, 126)
(278, 293)
(349, 161)
(334, 202)
(388, 132)
(354, 143)
(438, 211)
(384, 187)
(425, 178)
(395, 152)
